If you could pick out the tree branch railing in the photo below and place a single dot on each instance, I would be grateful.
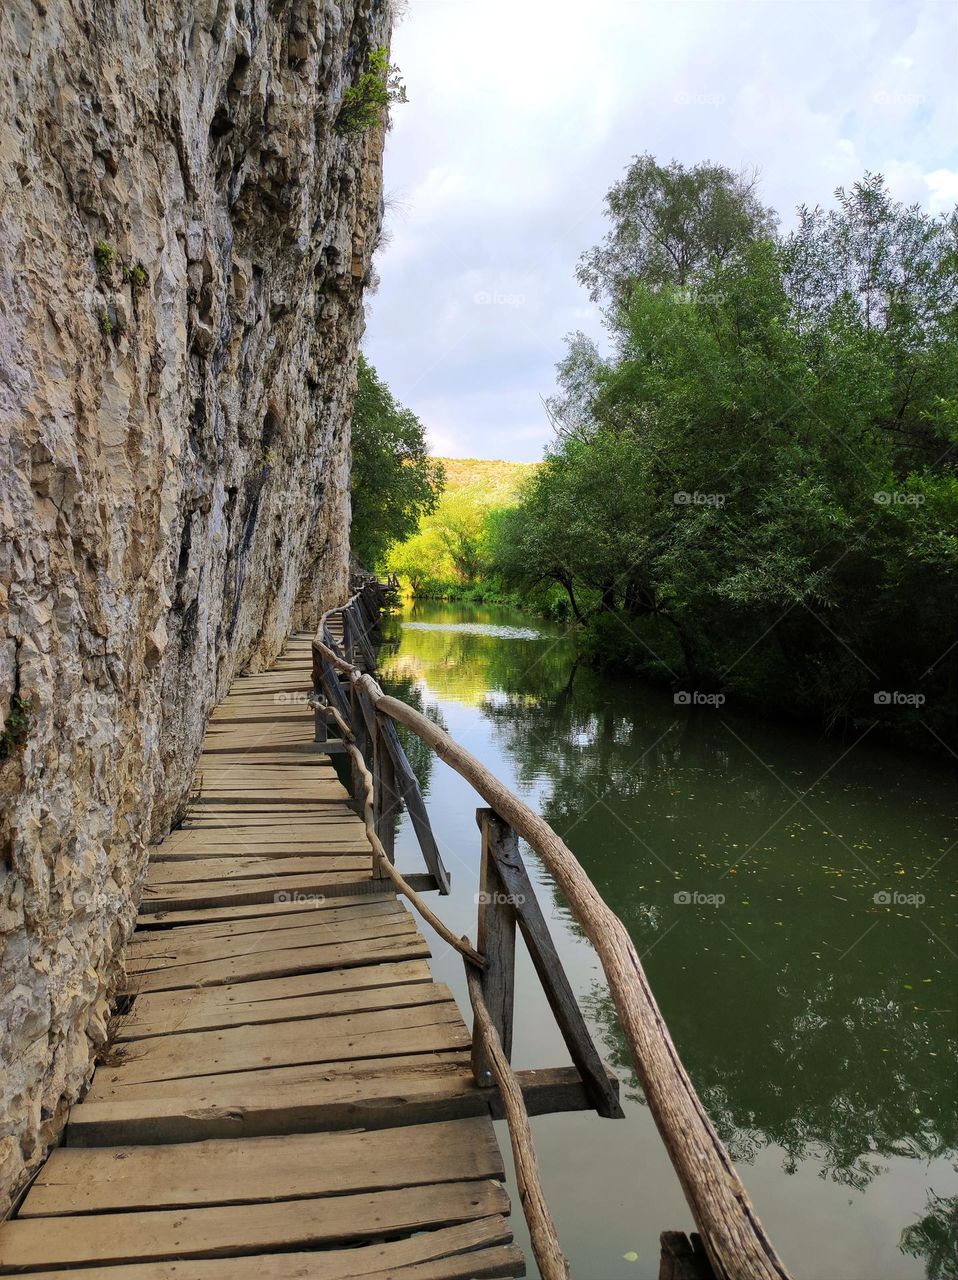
(735, 1242)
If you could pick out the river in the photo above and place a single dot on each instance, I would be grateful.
(793, 902)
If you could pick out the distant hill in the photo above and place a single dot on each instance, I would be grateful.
(498, 480)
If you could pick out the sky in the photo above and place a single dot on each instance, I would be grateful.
(520, 117)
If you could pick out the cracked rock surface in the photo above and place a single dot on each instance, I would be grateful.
(184, 242)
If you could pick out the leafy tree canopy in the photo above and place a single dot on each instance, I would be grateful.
(758, 489)
(394, 481)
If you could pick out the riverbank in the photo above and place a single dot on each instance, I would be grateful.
(773, 690)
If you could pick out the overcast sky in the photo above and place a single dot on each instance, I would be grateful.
(522, 114)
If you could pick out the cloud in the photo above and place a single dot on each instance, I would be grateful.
(522, 114)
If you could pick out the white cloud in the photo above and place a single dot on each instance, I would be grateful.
(522, 114)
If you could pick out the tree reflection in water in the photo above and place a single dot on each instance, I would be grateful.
(813, 1008)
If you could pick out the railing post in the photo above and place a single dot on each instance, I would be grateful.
(385, 798)
(357, 724)
(495, 939)
(322, 725)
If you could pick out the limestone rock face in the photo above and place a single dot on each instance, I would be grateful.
(184, 241)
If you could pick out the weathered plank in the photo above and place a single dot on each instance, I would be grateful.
(207, 893)
(373, 1094)
(171, 951)
(419, 1029)
(147, 941)
(241, 1228)
(473, 1250)
(278, 964)
(104, 1179)
(159, 1016)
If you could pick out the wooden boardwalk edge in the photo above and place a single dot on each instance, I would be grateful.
(289, 1093)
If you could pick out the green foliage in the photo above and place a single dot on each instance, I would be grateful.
(394, 481)
(106, 324)
(105, 255)
(758, 491)
(452, 552)
(671, 224)
(135, 274)
(366, 103)
(15, 728)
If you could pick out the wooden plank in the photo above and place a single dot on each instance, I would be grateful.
(395, 1095)
(278, 964)
(162, 1016)
(159, 921)
(104, 1179)
(361, 1035)
(145, 941)
(203, 893)
(219, 908)
(211, 1090)
(341, 848)
(480, 1248)
(238, 1228)
(170, 952)
(249, 867)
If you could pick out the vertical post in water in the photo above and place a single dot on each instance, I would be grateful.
(495, 939)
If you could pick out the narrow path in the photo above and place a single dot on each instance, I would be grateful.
(290, 1093)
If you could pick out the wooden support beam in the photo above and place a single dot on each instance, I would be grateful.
(496, 940)
(535, 933)
(386, 802)
(407, 785)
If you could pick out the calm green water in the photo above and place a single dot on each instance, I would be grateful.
(817, 1020)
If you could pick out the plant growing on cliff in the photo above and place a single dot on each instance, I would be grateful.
(105, 256)
(106, 324)
(367, 102)
(15, 727)
(135, 274)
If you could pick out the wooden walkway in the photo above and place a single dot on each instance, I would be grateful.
(290, 1093)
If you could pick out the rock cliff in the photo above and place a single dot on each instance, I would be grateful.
(184, 241)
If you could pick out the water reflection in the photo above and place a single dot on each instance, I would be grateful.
(793, 902)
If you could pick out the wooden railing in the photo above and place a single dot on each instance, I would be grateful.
(345, 695)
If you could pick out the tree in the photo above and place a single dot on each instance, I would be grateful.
(394, 481)
(758, 489)
(670, 224)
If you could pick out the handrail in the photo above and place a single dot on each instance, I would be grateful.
(734, 1238)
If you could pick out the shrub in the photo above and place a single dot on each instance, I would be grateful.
(367, 102)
